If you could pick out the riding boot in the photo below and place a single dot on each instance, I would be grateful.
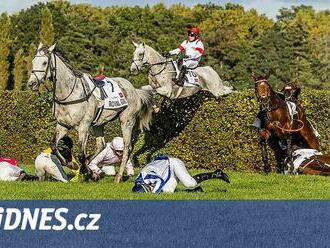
(180, 80)
(211, 175)
(26, 177)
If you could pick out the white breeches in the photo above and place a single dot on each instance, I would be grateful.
(180, 174)
(50, 165)
(190, 64)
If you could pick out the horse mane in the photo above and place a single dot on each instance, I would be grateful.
(153, 49)
(75, 72)
(59, 53)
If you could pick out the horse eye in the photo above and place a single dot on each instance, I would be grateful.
(140, 54)
(44, 63)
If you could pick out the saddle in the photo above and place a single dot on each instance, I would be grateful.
(110, 92)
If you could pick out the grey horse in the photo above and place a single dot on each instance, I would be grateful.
(76, 107)
(162, 72)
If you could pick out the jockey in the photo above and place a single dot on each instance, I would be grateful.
(104, 162)
(164, 173)
(193, 48)
(47, 163)
(9, 171)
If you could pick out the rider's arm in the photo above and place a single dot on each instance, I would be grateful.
(93, 165)
(180, 49)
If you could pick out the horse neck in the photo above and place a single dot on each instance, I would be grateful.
(64, 79)
(275, 100)
(154, 58)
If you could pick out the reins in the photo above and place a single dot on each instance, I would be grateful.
(53, 79)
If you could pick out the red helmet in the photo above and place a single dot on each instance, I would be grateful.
(194, 30)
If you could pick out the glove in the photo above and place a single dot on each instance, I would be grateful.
(167, 54)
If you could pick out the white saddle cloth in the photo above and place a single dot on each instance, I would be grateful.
(114, 96)
(191, 77)
(301, 155)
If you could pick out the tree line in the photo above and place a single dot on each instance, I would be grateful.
(295, 46)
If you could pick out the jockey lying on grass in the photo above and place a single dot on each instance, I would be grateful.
(47, 164)
(164, 173)
(193, 48)
(104, 162)
(9, 171)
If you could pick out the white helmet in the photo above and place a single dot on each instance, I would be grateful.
(117, 144)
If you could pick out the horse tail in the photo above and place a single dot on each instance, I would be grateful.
(145, 113)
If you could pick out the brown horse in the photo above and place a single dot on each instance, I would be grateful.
(291, 91)
(278, 126)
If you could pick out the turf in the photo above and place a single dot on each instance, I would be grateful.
(245, 186)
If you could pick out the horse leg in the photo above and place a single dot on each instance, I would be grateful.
(83, 138)
(289, 156)
(264, 154)
(127, 128)
(98, 132)
(60, 132)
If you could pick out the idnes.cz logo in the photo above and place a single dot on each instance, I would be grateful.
(46, 219)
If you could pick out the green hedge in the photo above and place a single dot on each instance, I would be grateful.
(204, 132)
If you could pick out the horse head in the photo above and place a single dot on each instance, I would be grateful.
(291, 90)
(263, 91)
(139, 58)
(41, 66)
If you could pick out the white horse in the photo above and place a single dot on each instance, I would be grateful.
(162, 72)
(75, 105)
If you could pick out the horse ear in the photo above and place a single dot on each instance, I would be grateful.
(40, 45)
(135, 44)
(143, 44)
(52, 47)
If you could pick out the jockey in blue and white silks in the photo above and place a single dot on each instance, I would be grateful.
(164, 173)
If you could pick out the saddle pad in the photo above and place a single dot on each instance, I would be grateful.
(114, 97)
(191, 79)
(301, 155)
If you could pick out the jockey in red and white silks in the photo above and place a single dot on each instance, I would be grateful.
(193, 48)
(9, 171)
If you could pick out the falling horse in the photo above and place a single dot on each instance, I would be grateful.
(163, 71)
(311, 162)
(76, 106)
(278, 125)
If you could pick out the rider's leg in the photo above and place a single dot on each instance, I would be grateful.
(182, 73)
(187, 64)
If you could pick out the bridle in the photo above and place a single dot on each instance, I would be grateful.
(49, 67)
(53, 73)
(266, 107)
(263, 106)
(146, 63)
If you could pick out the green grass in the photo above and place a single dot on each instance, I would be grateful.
(245, 186)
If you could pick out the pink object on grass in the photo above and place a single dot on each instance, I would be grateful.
(11, 161)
